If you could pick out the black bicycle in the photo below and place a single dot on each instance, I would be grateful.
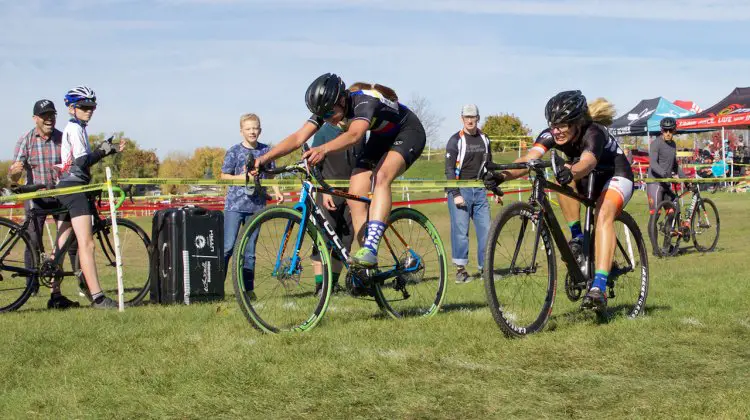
(521, 276)
(19, 278)
(409, 280)
(668, 226)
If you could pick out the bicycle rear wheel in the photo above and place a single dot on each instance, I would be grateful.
(274, 295)
(411, 242)
(705, 225)
(663, 229)
(15, 242)
(520, 288)
(136, 261)
(629, 275)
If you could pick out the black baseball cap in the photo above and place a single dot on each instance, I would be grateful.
(44, 106)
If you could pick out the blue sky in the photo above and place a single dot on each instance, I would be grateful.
(177, 74)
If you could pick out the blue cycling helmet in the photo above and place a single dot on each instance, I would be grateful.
(80, 96)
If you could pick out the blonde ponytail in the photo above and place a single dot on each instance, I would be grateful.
(387, 92)
(602, 111)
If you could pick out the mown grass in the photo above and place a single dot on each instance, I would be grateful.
(688, 357)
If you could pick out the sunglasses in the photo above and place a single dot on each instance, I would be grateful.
(328, 114)
(87, 108)
(561, 128)
(670, 130)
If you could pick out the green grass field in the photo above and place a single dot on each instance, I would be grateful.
(687, 358)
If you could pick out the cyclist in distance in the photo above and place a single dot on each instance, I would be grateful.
(579, 130)
(77, 159)
(662, 163)
(396, 140)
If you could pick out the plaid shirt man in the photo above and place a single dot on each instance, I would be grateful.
(39, 155)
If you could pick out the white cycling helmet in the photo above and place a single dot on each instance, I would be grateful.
(80, 96)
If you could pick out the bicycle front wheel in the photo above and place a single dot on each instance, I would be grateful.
(273, 280)
(629, 276)
(520, 271)
(135, 256)
(705, 225)
(663, 227)
(411, 244)
(16, 252)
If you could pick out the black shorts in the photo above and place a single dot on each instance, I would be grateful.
(340, 220)
(78, 204)
(409, 142)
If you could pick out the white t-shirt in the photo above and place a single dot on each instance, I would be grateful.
(75, 143)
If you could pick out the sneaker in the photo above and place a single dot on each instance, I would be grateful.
(364, 258)
(462, 277)
(106, 303)
(595, 299)
(61, 302)
(251, 296)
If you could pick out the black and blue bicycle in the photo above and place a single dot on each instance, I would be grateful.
(276, 246)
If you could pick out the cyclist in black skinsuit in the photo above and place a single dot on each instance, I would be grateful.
(579, 131)
(396, 140)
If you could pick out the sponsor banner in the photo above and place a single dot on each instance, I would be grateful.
(714, 121)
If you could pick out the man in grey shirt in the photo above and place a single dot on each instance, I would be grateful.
(662, 163)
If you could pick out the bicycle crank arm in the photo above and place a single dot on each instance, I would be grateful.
(527, 270)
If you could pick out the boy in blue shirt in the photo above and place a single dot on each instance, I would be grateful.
(240, 203)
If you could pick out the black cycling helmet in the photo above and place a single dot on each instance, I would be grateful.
(566, 107)
(668, 123)
(323, 93)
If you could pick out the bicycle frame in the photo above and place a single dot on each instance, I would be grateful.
(59, 253)
(539, 197)
(311, 213)
(693, 202)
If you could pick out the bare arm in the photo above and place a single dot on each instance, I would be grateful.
(291, 143)
(517, 173)
(584, 166)
(345, 140)
(356, 130)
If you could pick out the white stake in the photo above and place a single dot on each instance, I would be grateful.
(118, 257)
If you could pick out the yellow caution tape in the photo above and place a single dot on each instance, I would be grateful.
(690, 180)
(411, 185)
(52, 193)
(295, 182)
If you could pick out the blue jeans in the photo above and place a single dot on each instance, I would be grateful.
(476, 208)
(233, 221)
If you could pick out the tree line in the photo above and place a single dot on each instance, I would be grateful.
(206, 162)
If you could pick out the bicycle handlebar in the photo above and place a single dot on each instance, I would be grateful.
(301, 167)
(532, 164)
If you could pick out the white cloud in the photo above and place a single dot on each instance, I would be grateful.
(692, 10)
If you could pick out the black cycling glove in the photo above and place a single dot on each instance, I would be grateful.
(107, 148)
(492, 180)
(564, 175)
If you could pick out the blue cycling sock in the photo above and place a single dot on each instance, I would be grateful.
(600, 280)
(375, 231)
(575, 229)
